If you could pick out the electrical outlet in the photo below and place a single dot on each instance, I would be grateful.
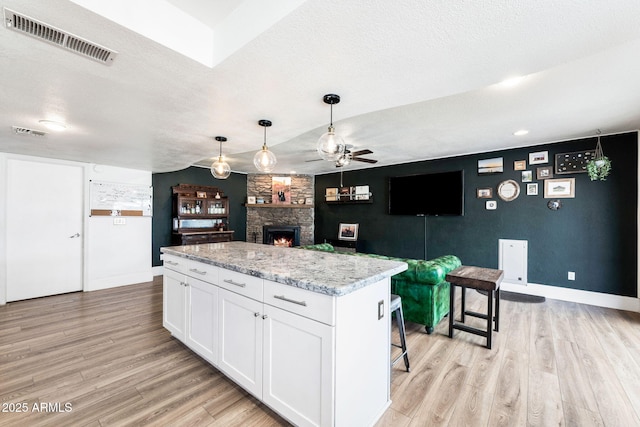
(571, 275)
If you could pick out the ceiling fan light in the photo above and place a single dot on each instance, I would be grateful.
(330, 146)
(344, 159)
(53, 125)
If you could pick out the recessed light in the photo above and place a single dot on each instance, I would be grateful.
(52, 125)
(521, 132)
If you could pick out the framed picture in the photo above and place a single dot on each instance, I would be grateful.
(532, 189)
(484, 193)
(575, 162)
(544, 172)
(331, 194)
(538, 157)
(346, 193)
(308, 201)
(489, 166)
(348, 232)
(527, 176)
(201, 194)
(519, 165)
(560, 188)
(362, 192)
(281, 189)
(491, 205)
(251, 200)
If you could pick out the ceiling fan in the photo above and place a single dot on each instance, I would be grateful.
(349, 155)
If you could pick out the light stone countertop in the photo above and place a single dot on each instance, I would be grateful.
(323, 272)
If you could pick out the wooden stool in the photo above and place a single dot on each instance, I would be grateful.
(485, 279)
(396, 306)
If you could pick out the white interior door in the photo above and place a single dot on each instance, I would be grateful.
(44, 229)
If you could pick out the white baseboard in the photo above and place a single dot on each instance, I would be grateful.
(115, 281)
(157, 270)
(575, 295)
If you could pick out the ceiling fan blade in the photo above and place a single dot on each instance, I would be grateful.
(359, 159)
(361, 152)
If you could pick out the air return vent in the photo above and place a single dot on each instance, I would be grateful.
(26, 131)
(47, 33)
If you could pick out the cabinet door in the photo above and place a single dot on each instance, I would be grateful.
(240, 340)
(173, 303)
(298, 367)
(202, 319)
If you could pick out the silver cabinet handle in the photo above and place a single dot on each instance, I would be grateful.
(256, 314)
(195, 270)
(74, 236)
(265, 316)
(183, 284)
(231, 282)
(170, 262)
(283, 298)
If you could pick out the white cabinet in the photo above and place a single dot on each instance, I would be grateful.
(240, 324)
(190, 306)
(317, 360)
(202, 319)
(298, 367)
(174, 303)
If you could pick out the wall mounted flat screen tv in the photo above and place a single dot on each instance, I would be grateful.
(431, 194)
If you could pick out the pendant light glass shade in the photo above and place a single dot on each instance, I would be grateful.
(220, 169)
(330, 146)
(264, 160)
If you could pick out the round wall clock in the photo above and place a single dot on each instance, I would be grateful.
(508, 190)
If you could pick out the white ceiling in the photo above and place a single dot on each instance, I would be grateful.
(418, 80)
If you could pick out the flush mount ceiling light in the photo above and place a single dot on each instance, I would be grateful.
(264, 160)
(220, 169)
(521, 132)
(330, 146)
(53, 125)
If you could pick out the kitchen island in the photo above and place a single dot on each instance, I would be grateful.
(307, 333)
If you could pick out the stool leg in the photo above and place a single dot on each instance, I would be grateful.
(497, 293)
(463, 297)
(403, 337)
(452, 313)
(489, 318)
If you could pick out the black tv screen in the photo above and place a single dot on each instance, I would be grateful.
(427, 194)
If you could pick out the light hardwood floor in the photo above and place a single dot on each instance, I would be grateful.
(106, 354)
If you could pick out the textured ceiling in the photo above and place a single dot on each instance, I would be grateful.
(418, 80)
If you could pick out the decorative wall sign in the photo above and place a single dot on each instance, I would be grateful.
(519, 165)
(575, 162)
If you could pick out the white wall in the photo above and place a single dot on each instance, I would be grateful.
(114, 255)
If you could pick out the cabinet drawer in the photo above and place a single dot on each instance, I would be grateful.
(242, 284)
(202, 271)
(175, 263)
(309, 304)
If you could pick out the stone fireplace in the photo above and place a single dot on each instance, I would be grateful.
(281, 235)
(297, 214)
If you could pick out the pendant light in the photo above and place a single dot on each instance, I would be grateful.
(220, 169)
(330, 146)
(264, 160)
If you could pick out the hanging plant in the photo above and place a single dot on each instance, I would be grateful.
(599, 169)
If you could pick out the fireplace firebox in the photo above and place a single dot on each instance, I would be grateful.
(281, 235)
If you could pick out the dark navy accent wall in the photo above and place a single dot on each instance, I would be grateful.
(234, 187)
(593, 234)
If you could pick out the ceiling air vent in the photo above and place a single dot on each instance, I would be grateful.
(47, 33)
(25, 131)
